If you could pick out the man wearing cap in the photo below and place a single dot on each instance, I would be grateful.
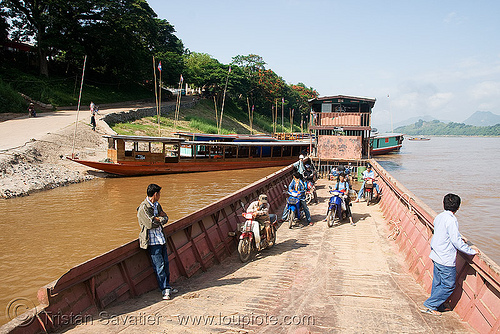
(368, 173)
(260, 210)
(299, 165)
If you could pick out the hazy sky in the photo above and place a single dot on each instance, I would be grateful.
(438, 58)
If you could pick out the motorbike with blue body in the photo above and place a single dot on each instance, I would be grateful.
(294, 209)
(336, 207)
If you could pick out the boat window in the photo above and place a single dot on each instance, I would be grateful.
(326, 107)
(171, 150)
(156, 147)
(129, 147)
(141, 147)
(111, 143)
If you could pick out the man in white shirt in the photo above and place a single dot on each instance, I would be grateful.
(260, 209)
(369, 173)
(444, 245)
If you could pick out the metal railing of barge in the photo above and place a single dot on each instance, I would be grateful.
(195, 243)
(476, 298)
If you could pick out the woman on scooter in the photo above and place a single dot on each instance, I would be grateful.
(343, 186)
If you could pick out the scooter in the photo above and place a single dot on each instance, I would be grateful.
(293, 208)
(31, 111)
(310, 192)
(335, 210)
(368, 192)
(246, 244)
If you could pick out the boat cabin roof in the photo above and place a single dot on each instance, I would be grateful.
(248, 143)
(146, 139)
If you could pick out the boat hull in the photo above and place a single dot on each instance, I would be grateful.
(138, 168)
(385, 150)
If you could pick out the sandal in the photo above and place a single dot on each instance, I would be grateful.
(431, 312)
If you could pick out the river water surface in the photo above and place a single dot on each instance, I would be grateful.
(466, 166)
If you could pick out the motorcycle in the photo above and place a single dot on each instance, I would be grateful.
(310, 192)
(293, 208)
(368, 191)
(335, 207)
(246, 244)
(31, 111)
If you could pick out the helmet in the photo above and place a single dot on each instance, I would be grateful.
(263, 198)
(301, 156)
(368, 165)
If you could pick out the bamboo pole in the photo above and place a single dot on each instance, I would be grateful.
(156, 91)
(78, 109)
(159, 106)
(249, 118)
(219, 128)
(282, 112)
(216, 114)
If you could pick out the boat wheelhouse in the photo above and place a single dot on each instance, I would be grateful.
(140, 155)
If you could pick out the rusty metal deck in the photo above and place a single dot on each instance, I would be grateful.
(345, 279)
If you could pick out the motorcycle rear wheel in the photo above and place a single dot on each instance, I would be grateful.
(245, 249)
(273, 237)
(309, 198)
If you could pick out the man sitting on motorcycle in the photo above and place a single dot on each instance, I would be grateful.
(343, 186)
(260, 210)
(310, 177)
(369, 173)
(298, 185)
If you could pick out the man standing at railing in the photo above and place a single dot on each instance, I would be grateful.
(151, 219)
(444, 245)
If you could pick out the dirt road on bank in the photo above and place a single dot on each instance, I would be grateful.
(33, 150)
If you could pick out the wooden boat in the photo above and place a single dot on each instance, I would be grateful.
(386, 143)
(140, 155)
(418, 138)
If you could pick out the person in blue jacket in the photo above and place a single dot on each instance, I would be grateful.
(298, 185)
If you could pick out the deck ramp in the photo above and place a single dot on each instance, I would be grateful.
(345, 279)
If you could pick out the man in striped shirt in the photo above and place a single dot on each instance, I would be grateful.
(151, 219)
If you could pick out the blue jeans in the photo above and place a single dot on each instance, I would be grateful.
(159, 257)
(362, 190)
(443, 284)
(303, 204)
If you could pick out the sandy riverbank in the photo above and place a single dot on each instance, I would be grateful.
(41, 164)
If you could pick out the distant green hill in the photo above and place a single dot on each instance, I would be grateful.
(437, 128)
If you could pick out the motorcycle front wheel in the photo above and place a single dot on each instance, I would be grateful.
(369, 196)
(291, 218)
(245, 249)
(330, 218)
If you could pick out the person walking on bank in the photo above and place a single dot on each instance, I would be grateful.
(151, 219)
(93, 111)
(444, 245)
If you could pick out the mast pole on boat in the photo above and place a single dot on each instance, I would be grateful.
(156, 93)
(78, 109)
(159, 100)
(223, 101)
(390, 112)
(282, 112)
